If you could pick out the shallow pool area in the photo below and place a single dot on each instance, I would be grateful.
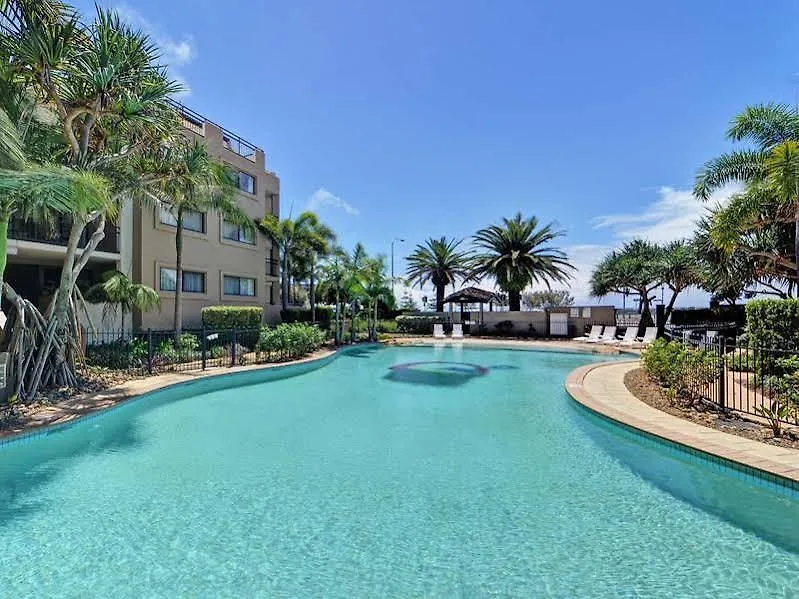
(391, 471)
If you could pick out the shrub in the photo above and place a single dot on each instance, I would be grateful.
(288, 341)
(119, 354)
(418, 325)
(742, 360)
(387, 326)
(676, 368)
(504, 327)
(222, 318)
(217, 351)
(773, 324)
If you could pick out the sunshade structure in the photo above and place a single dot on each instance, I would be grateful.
(473, 295)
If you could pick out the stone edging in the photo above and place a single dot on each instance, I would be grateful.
(600, 388)
(85, 407)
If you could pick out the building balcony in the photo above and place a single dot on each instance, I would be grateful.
(272, 268)
(58, 233)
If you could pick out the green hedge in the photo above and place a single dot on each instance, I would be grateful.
(773, 324)
(418, 325)
(232, 317)
(324, 316)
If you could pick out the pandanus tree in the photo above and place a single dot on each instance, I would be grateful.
(440, 262)
(769, 169)
(518, 253)
(103, 87)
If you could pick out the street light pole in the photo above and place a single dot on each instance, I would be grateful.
(392, 260)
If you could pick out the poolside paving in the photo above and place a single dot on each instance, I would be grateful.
(601, 388)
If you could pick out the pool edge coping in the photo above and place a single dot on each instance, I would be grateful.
(738, 452)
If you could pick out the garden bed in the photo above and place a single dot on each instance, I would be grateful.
(650, 393)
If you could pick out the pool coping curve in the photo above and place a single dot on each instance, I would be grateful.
(600, 388)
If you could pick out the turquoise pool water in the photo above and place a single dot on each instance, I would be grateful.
(466, 473)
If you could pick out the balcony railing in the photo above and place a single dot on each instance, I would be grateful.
(194, 121)
(272, 267)
(58, 233)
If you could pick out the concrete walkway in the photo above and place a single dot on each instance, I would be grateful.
(600, 387)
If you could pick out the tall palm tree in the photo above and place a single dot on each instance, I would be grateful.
(291, 236)
(118, 292)
(770, 169)
(517, 253)
(440, 262)
(332, 286)
(375, 287)
(193, 181)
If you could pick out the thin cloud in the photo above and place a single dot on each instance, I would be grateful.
(672, 216)
(322, 198)
(175, 51)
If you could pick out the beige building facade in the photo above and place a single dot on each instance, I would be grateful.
(222, 264)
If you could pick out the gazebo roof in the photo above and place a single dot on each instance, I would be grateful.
(471, 295)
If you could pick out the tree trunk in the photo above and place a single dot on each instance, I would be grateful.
(177, 322)
(352, 323)
(312, 293)
(338, 318)
(440, 298)
(284, 283)
(796, 240)
(670, 305)
(5, 216)
(514, 300)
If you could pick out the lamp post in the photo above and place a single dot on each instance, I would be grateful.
(392, 260)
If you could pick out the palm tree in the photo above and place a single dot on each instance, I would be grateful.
(332, 285)
(195, 182)
(517, 254)
(291, 236)
(375, 287)
(118, 292)
(770, 169)
(440, 262)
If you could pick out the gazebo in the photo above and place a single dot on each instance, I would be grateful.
(473, 295)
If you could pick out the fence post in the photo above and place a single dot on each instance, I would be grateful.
(722, 373)
(149, 351)
(233, 349)
(204, 344)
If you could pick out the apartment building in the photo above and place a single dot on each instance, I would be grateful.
(222, 263)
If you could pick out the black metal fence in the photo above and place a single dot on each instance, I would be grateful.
(737, 376)
(155, 351)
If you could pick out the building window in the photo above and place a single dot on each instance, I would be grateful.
(237, 233)
(192, 221)
(193, 282)
(244, 181)
(238, 286)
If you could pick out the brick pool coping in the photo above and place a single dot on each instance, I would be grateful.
(601, 389)
(84, 405)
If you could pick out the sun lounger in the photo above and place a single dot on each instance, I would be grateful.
(457, 331)
(650, 334)
(596, 331)
(438, 331)
(630, 335)
(607, 334)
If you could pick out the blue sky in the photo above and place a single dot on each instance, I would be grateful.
(415, 119)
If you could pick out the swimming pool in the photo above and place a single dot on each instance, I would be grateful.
(389, 472)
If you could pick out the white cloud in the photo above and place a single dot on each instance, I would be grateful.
(322, 198)
(175, 51)
(673, 215)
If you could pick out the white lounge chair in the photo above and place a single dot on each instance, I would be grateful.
(438, 331)
(457, 331)
(596, 331)
(650, 334)
(607, 334)
(630, 335)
